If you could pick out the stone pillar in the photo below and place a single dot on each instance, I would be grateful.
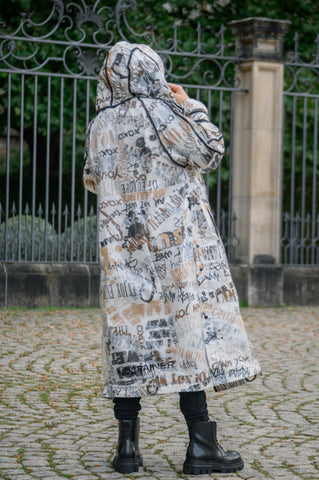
(257, 139)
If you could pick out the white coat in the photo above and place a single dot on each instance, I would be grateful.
(171, 320)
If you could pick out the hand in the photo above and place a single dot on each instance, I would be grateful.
(178, 92)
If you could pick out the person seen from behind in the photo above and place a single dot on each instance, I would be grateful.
(170, 312)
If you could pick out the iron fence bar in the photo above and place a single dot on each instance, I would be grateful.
(47, 176)
(34, 162)
(209, 108)
(282, 252)
(21, 164)
(95, 78)
(66, 43)
(53, 213)
(73, 163)
(312, 65)
(97, 251)
(60, 167)
(314, 182)
(301, 95)
(48, 74)
(292, 182)
(215, 88)
(218, 203)
(303, 178)
(230, 184)
(85, 211)
(103, 47)
(8, 142)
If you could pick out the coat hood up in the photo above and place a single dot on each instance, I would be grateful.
(131, 70)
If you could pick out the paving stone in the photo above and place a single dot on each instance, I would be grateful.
(54, 422)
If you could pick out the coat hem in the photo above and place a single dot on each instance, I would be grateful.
(122, 391)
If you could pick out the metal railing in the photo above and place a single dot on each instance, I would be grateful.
(32, 238)
(299, 241)
(48, 71)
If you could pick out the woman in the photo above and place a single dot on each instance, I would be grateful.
(171, 320)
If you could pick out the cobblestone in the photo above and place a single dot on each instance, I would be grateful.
(54, 425)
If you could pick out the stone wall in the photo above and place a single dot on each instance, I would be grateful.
(77, 285)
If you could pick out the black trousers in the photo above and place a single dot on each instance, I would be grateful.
(193, 406)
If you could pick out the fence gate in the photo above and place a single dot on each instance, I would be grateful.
(49, 65)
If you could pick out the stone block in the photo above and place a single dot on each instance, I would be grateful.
(94, 279)
(265, 286)
(3, 281)
(240, 278)
(301, 285)
(27, 285)
(260, 38)
(40, 285)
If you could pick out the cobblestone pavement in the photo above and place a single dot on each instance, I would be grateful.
(55, 425)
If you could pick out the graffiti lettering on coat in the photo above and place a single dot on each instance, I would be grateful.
(192, 356)
(129, 133)
(111, 203)
(109, 151)
(122, 330)
(170, 310)
(182, 312)
(140, 334)
(163, 241)
(167, 240)
(153, 308)
(225, 294)
(145, 290)
(238, 372)
(181, 379)
(213, 334)
(162, 255)
(158, 201)
(210, 252)
(163, 213)
(143, 370)
(118, 358)
(111, 227)
(111, 174)
(180, 275)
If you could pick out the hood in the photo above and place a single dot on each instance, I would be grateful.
(129, 70)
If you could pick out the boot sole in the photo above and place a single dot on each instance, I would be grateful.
(200, 467)
(127, 465)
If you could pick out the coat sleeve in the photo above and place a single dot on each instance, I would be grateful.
(90, 181)
(190, 137)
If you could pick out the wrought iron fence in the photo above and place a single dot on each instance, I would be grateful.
(48, 69)
(300, 241)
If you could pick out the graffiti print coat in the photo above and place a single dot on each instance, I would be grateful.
(171, 320)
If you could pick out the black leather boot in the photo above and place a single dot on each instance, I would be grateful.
(205, 455)
(128, 457)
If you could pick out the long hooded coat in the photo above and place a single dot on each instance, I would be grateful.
(171, 320)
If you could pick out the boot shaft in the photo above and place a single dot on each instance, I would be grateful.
(203, 442)
(205, 455)
(128, 458)
(128, 432)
